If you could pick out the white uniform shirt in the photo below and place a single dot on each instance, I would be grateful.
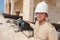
(44, 31)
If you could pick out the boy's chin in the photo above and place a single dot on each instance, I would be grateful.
(39, 20)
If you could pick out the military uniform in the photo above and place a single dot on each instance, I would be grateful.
(44, 31)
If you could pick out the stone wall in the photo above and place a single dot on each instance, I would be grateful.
(54, 11)
(19, 5)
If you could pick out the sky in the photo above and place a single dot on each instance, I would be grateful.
(1, 5)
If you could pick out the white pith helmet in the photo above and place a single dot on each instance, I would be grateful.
(41, 7)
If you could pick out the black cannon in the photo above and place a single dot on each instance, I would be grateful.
(23, 25)
(57, 26)
(18, 21)
(11, 16)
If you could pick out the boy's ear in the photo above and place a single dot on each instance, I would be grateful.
(46, 14)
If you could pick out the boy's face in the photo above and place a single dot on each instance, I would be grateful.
(41, 16)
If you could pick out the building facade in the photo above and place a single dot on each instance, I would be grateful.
(26, 8)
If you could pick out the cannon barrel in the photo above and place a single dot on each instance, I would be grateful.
(11, 16)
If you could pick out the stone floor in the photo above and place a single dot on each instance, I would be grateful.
(7, 32)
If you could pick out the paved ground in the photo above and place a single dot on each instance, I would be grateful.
(7, 32)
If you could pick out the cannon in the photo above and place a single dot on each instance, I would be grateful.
(18, 21)
(23, 25)
(57, 26)
(11, 16)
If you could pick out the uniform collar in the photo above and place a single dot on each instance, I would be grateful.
(40, 23)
